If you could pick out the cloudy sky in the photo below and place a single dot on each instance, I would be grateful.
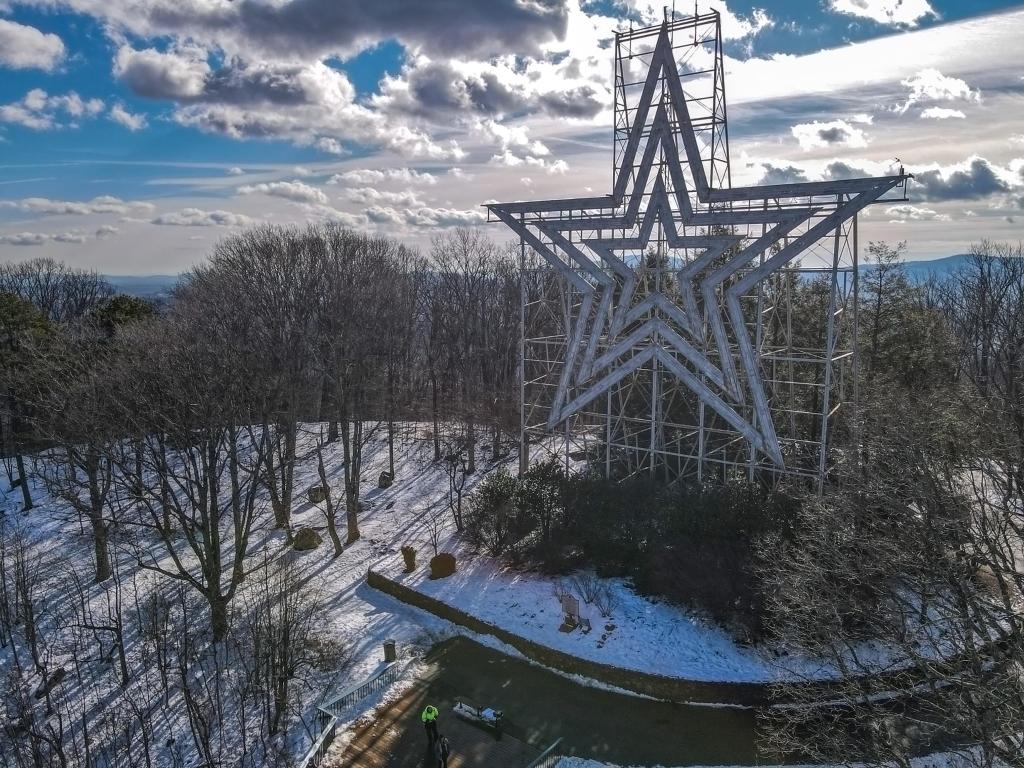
(135, 133)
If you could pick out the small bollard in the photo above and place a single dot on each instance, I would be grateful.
(390, 652)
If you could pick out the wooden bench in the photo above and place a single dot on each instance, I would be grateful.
(487, 717)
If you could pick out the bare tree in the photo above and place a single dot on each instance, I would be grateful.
(464, 260)
(357, 275)
(330, 508)
(456, 467)
(195, 505)
(70, 399)
(265, 282)
(984, 303)
(63, 294)
(278, 632)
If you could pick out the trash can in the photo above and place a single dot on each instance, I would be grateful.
(390, 652)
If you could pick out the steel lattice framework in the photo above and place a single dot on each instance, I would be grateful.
(667, 327)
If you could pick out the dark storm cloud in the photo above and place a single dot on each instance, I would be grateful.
(438, 90)
(305, 28)
(581, 102)
(834, 135)
(437, 87)
(978, 181)
(838, 170)
(242, 84)
(187, 79)
(774, 174)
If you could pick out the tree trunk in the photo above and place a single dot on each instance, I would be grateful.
(280, 701)
(331, 512)
(391, 448)
(99, 536)
(218, 616)
(98, 524)
(391, 421)
(280, 521)
(352, 517)
(433, 415)
(26, 492)
(351, 442)
(471, 444)
(287, 475)
(138, 486)
(165, 503)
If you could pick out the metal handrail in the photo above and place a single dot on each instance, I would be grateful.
(543, 760)
(329, 713)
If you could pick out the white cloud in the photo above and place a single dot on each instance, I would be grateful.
(377, 175)
(507, 158)
(930, 85)
(374, 196)
(43, 238)
(194, 217)
(913, 213)
(18, 114)
(25, 238)
(24, 47)
(905, 13)
(833, 133)
(942, 113)
(98, 205)
(330, 146)
(235, 171)
(295, 191)
(40, 111)
(131, 121)
(425, 216)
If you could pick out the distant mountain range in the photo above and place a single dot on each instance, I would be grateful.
(160, 286)
(921, 270)
(143, 286)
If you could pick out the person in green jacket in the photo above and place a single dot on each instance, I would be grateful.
(429, 718)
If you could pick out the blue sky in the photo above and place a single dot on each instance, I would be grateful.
(134, 133)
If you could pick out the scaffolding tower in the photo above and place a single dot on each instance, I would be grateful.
(681, 327)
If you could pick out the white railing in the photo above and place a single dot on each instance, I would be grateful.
(329, 713)
(547, 758)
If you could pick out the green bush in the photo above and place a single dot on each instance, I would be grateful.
(489, 522)
(699, 546)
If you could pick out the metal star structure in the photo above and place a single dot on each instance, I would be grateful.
(616, 330)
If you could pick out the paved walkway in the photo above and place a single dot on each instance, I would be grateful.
(397, 738)
(540, 707)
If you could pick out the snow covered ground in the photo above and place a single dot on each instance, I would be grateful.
(640, 634)
(354, 616)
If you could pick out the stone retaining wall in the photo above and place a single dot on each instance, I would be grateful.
(658, 686)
